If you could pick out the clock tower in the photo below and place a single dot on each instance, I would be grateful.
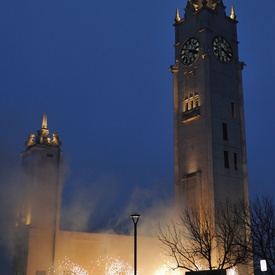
(209, 133)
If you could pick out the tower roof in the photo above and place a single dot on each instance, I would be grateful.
(42, 136)
(198, 4)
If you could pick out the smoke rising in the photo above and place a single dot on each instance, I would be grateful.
(10, 193)
(103, 205)
(96, 201)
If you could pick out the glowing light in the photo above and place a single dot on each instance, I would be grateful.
(44, 122)
(263, 265)
(106, 266)
(232, 271)
(166, 269)
(67, 267)
(112, 266)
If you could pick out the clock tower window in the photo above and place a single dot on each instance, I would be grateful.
(236, 161)
(186, 107)
(191, 108)
(196, 100)
(226, 159)
(233, 109)
(191, 102)
(224, 131)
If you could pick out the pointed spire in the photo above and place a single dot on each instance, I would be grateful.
(44, 122)
(189, 3)
(221, 4)
(177, 17)
(204, 3)
(233, 15)
(42, 136)
(198, 4)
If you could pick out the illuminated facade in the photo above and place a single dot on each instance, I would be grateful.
(209, 133)
(39, 209)
(42, 248)
(210, 156)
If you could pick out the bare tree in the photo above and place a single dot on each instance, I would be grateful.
(262, 226)
(232, 236)
(202, 240)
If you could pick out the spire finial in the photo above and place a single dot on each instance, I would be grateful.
(44, 122)
(233, 15)
(177, 17)
(42, 135)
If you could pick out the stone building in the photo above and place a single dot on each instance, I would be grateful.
(209, 154)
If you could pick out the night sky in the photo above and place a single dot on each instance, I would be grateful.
(99, 70)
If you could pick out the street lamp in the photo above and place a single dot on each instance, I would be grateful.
(135, 218)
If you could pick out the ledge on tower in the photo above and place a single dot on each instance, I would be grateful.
(190, 115)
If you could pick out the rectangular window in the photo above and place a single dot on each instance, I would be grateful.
(235, 161)
(186, 105)
(233, 109)
(226, 159)
(224, 131)
(197, 101)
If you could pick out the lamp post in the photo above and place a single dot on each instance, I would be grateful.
(135, 218)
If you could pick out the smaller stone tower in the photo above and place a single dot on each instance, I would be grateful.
(39, 208)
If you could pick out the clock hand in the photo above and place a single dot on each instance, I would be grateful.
(223, 48)
(227, 53)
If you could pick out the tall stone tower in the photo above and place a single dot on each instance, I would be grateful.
(39, 207)
(209, 133)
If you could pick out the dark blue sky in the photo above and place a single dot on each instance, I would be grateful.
(99, 70)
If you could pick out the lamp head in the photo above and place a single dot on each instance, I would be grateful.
(135, 218)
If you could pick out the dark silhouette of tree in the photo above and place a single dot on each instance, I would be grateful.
(200, 241)
(232, 236)
(262, 227)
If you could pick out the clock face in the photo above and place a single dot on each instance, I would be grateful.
(190, 51)
(222, 49)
